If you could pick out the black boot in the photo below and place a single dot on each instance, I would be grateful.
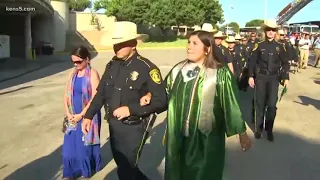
(270, 136)
(257, 135)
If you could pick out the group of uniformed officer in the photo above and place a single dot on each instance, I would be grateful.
(262, 65)
(129, 76)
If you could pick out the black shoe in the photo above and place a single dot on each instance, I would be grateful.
(253, 121)
(270, 136)
(257, 135)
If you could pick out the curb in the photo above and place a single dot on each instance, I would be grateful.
(24, 73)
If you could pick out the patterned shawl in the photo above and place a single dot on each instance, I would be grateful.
(93, 136)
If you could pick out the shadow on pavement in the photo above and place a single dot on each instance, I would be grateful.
(309, 101)
(106, 154)
(246, 107)
(12, 91)
(289, 157)
(45, 69)
(43, 168)
(152, 155)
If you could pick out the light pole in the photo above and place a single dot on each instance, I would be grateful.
(265, 10)
(231, 8)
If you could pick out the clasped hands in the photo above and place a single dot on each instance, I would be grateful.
(74, 118)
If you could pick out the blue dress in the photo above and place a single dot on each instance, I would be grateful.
(79, 160)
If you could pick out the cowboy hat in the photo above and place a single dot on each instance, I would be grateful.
(270, 24)
(126, 31)
(219, 34)
(230, 39)
(208, 27)
(281, 32)
(238, 37)
(196, 28)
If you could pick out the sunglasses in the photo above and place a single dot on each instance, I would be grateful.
(271, 29)
(77, 62)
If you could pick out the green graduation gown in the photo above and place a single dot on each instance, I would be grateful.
(200, 156)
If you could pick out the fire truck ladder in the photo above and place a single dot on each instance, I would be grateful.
(295, 7)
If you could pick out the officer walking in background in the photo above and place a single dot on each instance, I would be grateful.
(239, 60)
(252, 41)
(222, 52)
(128, 77)
(286, 44)
(267, 66)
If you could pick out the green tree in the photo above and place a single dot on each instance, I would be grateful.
(100, 4)
(162, 14)
(211, 10)
(254, 23)
(126, 10)
(235, 26)
(78, 5)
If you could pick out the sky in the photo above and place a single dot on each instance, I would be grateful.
(246, 10)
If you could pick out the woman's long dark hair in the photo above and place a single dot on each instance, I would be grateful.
(82, 52)
(207, 39)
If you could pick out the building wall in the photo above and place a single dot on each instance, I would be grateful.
(42, 30)
(83, 32)
(60, 24)
(81, 21)
(14, 28)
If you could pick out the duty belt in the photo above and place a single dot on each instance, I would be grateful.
(131, 120)
(266, 72)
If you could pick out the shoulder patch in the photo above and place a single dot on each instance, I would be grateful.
(255, 47)
(284, 47)
(155, 76)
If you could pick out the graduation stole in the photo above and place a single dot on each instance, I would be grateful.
(206, 117)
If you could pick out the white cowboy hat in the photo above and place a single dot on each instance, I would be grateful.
(219, 34)
(281, 32)
(208, 27)
(271, 23)
(238, 37)
(196, 28)
(230, 39)
(125, 31)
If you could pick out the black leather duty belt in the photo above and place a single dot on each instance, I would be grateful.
(266, 72)
(131, 120)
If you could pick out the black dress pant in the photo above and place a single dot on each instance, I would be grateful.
(126, 145)
(266, 100)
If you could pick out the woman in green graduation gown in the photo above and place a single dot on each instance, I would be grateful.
(203, 108)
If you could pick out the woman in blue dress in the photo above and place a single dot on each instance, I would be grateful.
(81, 153)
